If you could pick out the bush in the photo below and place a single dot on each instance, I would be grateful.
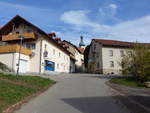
(136, 62)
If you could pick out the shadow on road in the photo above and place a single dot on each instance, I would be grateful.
(105, 104)
(94, 105)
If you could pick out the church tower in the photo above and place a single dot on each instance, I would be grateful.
(81, 44)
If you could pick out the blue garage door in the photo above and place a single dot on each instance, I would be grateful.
(49, 65)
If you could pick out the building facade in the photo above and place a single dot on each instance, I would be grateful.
(105, 56)
(77, 57)
(39, 53)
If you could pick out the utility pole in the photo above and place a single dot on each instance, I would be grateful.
(18, 65)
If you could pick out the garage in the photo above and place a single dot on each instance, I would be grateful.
(23, 68)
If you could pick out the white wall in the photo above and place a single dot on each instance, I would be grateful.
(8, 59)
(35, 60)
(116, 58)
(11, 60)
(22, 57)
(78, 59)
(104, 58)
(35, 64)
(62, 62)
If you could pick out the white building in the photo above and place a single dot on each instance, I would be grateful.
(39, 52)
(77, 57)
(105, 55)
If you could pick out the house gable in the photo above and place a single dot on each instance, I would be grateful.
(18, 21)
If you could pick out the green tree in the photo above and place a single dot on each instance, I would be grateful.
(136, 62)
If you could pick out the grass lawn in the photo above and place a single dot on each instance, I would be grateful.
(14, 89)
(127, 81)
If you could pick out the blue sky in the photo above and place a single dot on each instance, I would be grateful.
(126, 20)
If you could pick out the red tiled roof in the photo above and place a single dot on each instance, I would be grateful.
(65, 46)
(72, 45)
(81, 50)
(57, 39)
(52, 34)
(118, 43)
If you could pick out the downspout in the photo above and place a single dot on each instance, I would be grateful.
(40, 56)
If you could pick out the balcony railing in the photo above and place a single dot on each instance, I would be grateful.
(12, 37)
(15, 49)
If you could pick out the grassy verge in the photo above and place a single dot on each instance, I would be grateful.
(14, 89)
(127, 82)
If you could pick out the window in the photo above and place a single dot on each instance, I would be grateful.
(130, 53)
(97, 64)
(59, 54)
(53, 51)
(31, 45)
(111, 63)
(17, 32)
(94, 47)
(58, 66)
(29, 31)
(45, 46)
(121, 53)
(110, 52)
(45, 54)
(93, 54)
(97, 55)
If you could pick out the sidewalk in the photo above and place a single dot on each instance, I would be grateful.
(136, 99)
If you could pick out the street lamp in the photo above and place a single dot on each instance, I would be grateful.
(21, 39)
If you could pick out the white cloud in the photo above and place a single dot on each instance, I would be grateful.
(137, 29)
(75, 17)
(108, 12)
(113, 9)
(81, 21)
(113, 6)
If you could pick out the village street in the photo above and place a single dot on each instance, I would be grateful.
(75, 93)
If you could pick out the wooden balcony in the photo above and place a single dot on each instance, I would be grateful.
(12, 37)
(15, 49)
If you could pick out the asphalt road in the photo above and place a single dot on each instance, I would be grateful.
(75, 93)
